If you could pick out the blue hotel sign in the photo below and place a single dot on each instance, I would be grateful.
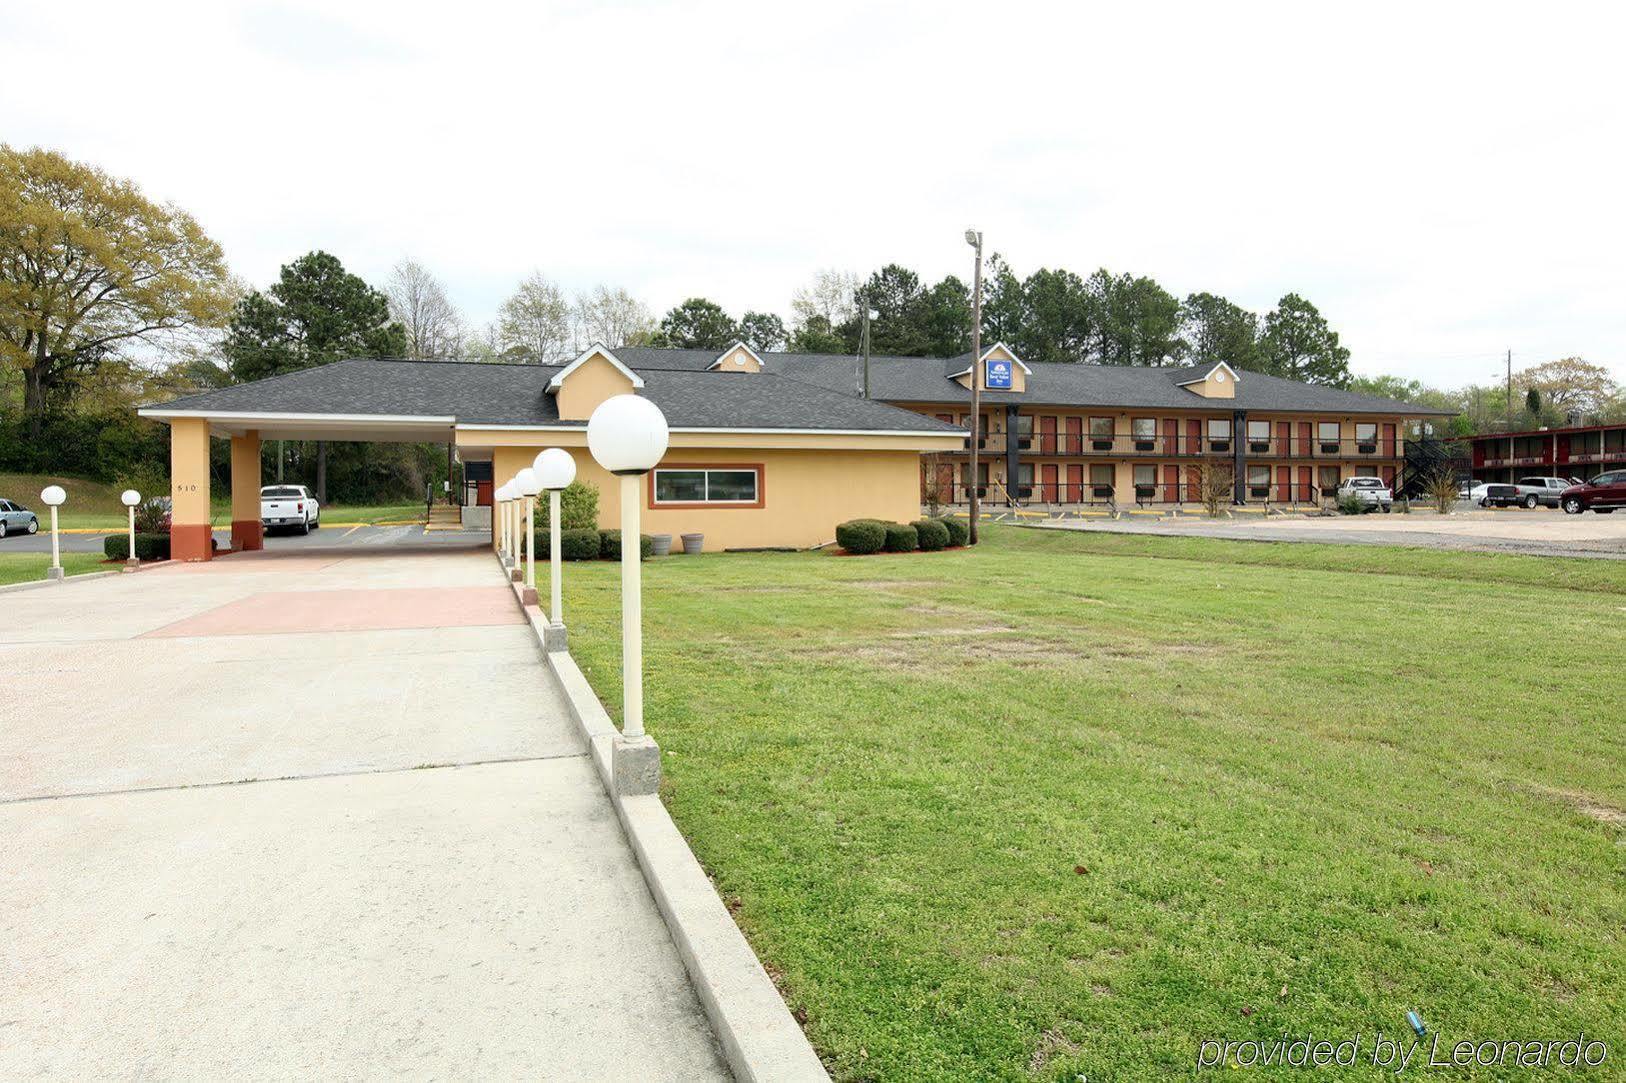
(999, 373)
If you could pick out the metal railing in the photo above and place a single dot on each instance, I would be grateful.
(1186, 446)
(1164, 492)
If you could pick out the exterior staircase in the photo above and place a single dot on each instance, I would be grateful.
(445, 517)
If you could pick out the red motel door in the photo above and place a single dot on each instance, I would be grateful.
(1304, 483)
(1304, 439)
(1171, 437)
(1389, 476)
(1284, 482)
(1563, 455)
(1193, 486)
(1075, 478)
(1047, 436)
(1389, 440)
(1284, 437)
(1194, 437)
(1049, 491)
(482, 494)
(1075, 436)
(1171, 482)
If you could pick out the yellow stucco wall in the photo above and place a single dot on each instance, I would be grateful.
(189, 471)
(739, 359)
(245, 477)
(581, 392)
(806, 492)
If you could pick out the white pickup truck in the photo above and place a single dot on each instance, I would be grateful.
(1370, 491)
(290, 506)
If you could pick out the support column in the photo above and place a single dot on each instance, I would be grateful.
(247, 530)
(1239, 464)
(1013, 454)
(189, 530)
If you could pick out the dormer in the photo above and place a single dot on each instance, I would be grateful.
(1217, 381)
(596, 375)
(999, 367)
(737, 358)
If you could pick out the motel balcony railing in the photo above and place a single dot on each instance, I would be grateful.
(1185, 446)
(1186, 492)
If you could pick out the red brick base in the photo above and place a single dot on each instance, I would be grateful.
(247, 534)
(190, 541)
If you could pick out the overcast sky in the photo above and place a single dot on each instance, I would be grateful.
(1445, 183)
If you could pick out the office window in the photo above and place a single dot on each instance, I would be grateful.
(1145, 476)
(1259, 480)
(1101, 479)
(1219, 428)
(707, 485)
(1327, 430)
(1327, 478)
(1258, 430)
(1144, 428)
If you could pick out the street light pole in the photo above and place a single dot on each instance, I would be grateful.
(628, 435)
(53, 496)
(974, 239)
(131, 498)
(555, 470)
(529, 485)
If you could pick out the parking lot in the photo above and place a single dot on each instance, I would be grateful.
(1536, 532)
(325, 538)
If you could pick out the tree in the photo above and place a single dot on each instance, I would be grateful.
(1570, 385)
(1004, 312)
(1298, 344)
(316, 312)
(1532, 401)
(829, 297)
(433, 325)
(697, 324)
(762, 331)
(946, 318)
(612, 317)
(1397, 388)
(1059, 317)
(534, 323)
(89, 267)
(1215, 329)
(815, 335)
(1138, 321)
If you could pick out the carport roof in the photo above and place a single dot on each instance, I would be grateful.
(478, 393)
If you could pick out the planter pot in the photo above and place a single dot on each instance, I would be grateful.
(693, 544)
(660, 545)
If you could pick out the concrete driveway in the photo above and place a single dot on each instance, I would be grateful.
(315, 814)
(325, 538)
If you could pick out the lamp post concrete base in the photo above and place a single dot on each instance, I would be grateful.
(132, 565)
(636, 765)
(54, 573)
(516, 575)
(553, 637)
(527, 596)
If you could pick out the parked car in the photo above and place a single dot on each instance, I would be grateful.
(1369, 491)
(1474, 491)
(16, 519)
(1534, 492)
(290, 506)
(1603, 494)
(1500, 496)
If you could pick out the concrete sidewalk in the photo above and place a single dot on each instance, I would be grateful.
(373, 849)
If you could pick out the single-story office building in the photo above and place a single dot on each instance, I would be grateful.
(774, 449)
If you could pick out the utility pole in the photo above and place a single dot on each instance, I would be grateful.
(974, 239)
(1510, 391)
(866, 347)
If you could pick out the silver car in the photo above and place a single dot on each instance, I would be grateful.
(16, 519)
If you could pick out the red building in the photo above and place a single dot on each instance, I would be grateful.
(1578, 452)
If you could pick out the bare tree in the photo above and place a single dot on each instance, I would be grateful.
(829, 295)
(534, 323)
(419, 303)
(1216, 487)
(612, 317)
(1440, 485)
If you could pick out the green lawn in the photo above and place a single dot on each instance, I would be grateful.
(93, 505)
(1067, 804)
(25, 567)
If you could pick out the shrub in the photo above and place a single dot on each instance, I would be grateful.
(959, 531)
(610, 545)
(148, 546)
(861, 536)
(932, 535)
(578, 507)
(901, 538)
(1350, 504)
(152, 515)
(579, 544)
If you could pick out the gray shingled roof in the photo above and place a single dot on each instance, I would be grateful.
(474, 393)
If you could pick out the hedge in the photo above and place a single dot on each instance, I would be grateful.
(959, 531)
(579, 544)
(861, 536)
(610, 545)
(148, 546)
(578, 507)
(901, 538)
(932, 535)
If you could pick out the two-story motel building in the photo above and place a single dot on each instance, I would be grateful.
(774, 449)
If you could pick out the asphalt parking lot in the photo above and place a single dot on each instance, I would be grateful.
(1534, 532)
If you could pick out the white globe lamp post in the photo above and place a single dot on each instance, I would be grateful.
(528, 484)
(502, 525)
(555, 470)
(54, 496)
(130, 498)
(628, 435)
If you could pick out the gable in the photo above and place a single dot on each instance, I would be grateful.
(1219, 382)
(1001, 371)
(593, 377)
(737, 358)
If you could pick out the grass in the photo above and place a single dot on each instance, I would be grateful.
(26, 567)
(1069, 804)
(93, 505)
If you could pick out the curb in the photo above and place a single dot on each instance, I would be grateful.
(37, 583)
(760, 1038)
